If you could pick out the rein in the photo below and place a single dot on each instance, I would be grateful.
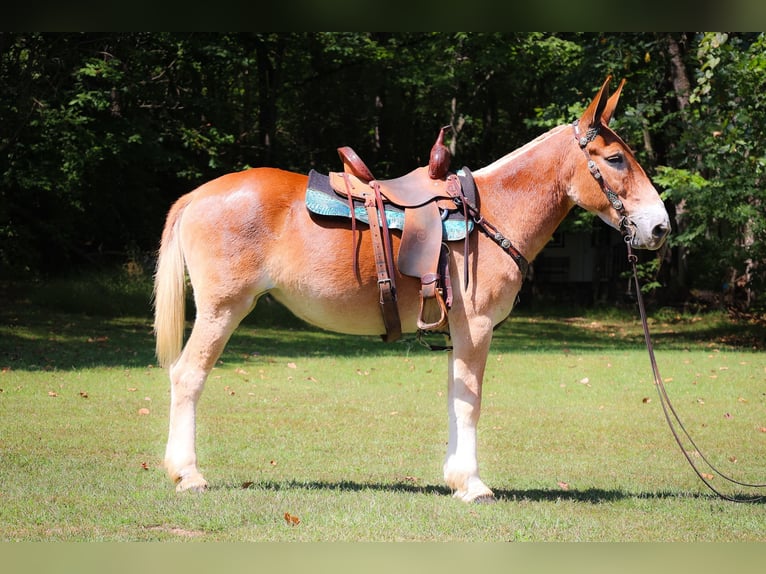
(671, 416)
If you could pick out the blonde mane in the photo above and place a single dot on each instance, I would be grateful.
(501, 162)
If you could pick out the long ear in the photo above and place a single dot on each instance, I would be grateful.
(611, 104)
(591, 118)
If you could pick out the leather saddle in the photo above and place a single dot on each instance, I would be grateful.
(427, 195)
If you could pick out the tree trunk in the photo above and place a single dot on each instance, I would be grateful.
(682, 88)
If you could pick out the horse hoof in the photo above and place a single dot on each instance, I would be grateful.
(192, 485)
(485, 499)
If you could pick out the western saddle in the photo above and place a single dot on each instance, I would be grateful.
(427, 195)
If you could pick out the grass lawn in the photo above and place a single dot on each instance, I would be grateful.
(346, 435)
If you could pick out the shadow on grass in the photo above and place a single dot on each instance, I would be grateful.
(589, 495)
(36, 338)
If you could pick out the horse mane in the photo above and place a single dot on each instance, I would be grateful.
(511, 156)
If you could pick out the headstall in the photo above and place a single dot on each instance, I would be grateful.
(626, 225)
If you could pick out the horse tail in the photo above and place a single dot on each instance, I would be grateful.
(170, 290)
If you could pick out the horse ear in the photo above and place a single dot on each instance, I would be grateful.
(591, 118)
(611, 104)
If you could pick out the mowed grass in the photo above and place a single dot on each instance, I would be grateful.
(347, 435)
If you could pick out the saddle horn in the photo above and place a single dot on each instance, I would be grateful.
(439, 160)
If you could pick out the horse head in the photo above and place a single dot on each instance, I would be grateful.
(609, 180)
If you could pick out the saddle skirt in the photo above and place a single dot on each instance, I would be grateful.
(322, 200)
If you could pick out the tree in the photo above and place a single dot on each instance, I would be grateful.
(717, 170)
(101, 132)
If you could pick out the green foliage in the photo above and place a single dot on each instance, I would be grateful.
(97, 293)
(716, 178)
(647, 272)
(102, 131)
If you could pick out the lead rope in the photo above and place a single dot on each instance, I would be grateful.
(671, 416)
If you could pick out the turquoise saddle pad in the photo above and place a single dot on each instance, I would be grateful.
(321, 199)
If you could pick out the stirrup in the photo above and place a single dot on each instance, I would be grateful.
(431, 293)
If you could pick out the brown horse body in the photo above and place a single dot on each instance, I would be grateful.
(249, 233)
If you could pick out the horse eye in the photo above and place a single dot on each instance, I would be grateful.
(616, 158)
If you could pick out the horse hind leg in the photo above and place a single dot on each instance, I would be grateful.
(211, 332)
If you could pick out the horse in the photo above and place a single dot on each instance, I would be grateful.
(248, 233)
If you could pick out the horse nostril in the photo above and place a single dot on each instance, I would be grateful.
(660, 230)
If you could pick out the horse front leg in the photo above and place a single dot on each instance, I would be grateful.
(466, 372)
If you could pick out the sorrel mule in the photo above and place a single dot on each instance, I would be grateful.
(246, 234)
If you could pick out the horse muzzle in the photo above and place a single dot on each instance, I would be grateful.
(647, 229)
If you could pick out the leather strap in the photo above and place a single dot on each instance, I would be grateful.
(350, 198)
(677, 428)
(383, 262)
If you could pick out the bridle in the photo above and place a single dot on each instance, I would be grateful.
(627, 228)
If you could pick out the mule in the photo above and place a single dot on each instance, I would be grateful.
(249, 233)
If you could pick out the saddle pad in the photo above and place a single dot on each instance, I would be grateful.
(321, 199)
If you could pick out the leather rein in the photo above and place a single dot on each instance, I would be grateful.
(671, 416)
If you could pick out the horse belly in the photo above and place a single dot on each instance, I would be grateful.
(320, 282)
(351, 316)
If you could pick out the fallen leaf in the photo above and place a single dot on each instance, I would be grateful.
(143, 411)
(291, 519)
(248, 484)
(84, 394)
(292, 366)
(52, 394)
(132, 389)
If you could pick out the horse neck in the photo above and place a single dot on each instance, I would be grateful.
(525, 192)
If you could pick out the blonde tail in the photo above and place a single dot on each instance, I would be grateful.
(170, 291)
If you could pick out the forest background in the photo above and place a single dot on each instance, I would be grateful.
(101, 132)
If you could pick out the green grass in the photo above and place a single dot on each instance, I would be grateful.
(348, 434)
